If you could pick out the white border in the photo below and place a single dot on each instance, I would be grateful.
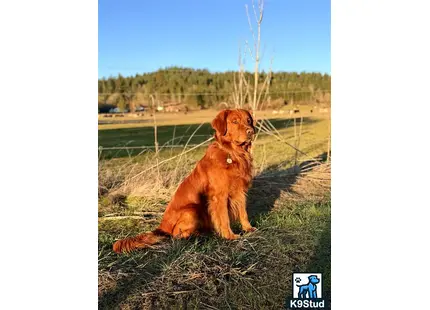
(48, 154)
(380, 128)
(380, 106)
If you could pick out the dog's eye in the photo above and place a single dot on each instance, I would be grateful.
(249, 121)
(235, 121)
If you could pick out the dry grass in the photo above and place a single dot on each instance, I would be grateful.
(288, 203)
(136, 174)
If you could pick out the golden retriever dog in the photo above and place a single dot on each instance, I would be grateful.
(214, 194)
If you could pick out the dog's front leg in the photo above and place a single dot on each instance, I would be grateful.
(238, 201)
(218, 212)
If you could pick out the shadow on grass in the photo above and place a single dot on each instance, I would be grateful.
(143, 267)
(319, 262)
(140, 269)
(269, 184)
(166, 135)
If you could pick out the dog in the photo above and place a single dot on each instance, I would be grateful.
(309, 289)
(214, 194)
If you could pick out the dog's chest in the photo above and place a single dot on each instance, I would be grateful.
(240, 172)
(240, 183)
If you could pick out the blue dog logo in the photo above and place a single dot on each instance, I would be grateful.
(308, 295)
(308, 290)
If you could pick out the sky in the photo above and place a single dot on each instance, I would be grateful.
(142, 36)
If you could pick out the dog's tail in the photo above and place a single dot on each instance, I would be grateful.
(139, 242)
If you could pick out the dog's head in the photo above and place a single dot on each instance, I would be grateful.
(234, 126)
(313, 279)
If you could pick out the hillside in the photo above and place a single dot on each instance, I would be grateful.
(204, 89)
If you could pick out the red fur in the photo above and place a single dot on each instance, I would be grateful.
(215, 191)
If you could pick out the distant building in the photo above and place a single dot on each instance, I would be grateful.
(175, 107)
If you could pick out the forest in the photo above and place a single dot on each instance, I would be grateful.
(201, 89)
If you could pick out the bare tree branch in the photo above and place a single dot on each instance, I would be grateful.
(249, 49)
(249, 21)
(261, 9)
(253, 8)
(266, 86)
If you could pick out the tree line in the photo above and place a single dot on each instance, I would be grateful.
(199, 88)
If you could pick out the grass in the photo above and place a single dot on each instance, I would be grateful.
(288, 203)
(253, 272)
(179, 134)
(193, 117)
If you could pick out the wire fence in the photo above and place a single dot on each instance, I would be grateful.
(318, 100)
(210, 98)
(103, 148)
(215, 93)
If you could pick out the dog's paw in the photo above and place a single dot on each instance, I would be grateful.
(233, 237)
(250, 229)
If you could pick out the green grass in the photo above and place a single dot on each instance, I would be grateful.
(253, 272)
(169, 135)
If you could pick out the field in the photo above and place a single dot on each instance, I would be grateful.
(289, 203)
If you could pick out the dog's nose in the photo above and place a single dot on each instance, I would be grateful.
(249, 132)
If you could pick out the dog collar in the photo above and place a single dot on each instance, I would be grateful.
(229, 160)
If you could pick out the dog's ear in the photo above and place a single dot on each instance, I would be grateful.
(220, 123)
